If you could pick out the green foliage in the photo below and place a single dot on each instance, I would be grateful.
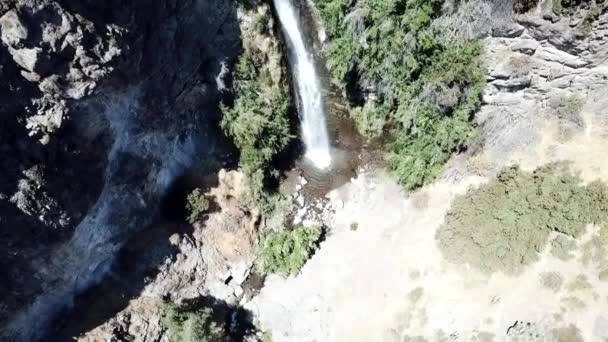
(196, 204)
(504, 225)
(258, 121)
(562, 247)
(371, 119)
(285, 252)
(332, 13)
(186, 324)
(427, 89)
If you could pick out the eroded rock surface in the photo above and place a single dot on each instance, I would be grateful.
(103, 105)
(213, 260)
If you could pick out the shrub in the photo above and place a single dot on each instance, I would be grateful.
(196, 204)
(505, 224)
(185, 324)
(371, 119)
(258, 120)
(285, 252)
(427, 89)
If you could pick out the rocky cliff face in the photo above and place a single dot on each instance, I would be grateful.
(542, 68)
(103, 105)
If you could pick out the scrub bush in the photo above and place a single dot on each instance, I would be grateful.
(285, 252)
(426, 89)
(196, 204)
(185, 324)
(505, 224)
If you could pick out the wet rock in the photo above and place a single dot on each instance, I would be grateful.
(300, 200)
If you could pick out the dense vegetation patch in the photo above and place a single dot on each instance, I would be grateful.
(258, 120)
(285, 252)
(422, 88)
(206, 319)
(505, 224)
(196, 204)
(187, 324)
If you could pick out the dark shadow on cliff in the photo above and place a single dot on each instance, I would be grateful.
(139, 262)
(38, 209)
(174, 53)
(130, 272)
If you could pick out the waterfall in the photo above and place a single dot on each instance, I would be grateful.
(314, 127)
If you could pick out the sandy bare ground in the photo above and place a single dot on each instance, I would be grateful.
(387, 280)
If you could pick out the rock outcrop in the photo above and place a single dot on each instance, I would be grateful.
(213, 260)
(540, 64)
(103, 105)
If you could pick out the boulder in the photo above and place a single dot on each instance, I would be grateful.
(12, 28)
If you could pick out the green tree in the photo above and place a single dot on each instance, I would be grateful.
(196, 204)
(426, 89)
(186, 324)
(285, 252)
(258, 121)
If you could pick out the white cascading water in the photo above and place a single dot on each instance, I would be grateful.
(314, 128)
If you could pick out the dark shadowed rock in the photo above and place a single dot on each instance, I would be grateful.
(116, 101)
